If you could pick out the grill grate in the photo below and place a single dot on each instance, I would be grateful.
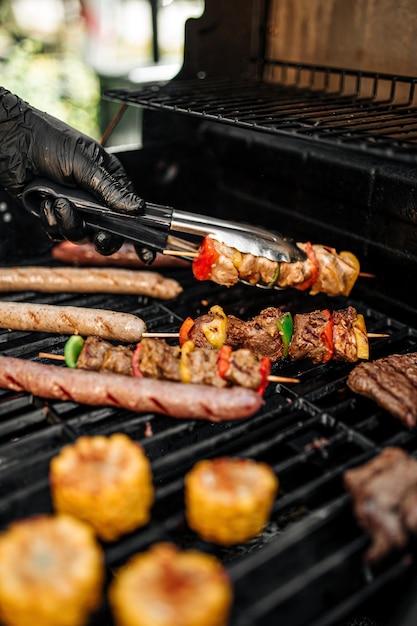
(310, 433)
(365, 111)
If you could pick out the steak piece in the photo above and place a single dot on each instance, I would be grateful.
(344, 341)
(391, 382)
(98, 355)
(260, 335)
(307, 341)
(384, 494)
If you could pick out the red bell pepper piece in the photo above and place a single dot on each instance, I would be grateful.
(326, 336)
(223, 360)
(315, 270)
(135, 361)
(185, 328)
(207, 257)
(265, 370)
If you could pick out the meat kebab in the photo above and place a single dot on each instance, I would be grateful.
(319, 335)
(324, 270)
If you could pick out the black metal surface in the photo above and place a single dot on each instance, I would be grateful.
(360, 111)
(307, 567)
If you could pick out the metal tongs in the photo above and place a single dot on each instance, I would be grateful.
(159, 227)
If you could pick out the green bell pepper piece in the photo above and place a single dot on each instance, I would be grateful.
(286, 328)
(72, 350)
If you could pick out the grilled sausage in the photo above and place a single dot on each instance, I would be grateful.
(135, 394)
(88, 280)
(86, 254)
(71, 320)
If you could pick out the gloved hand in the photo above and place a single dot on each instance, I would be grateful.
(34, 144)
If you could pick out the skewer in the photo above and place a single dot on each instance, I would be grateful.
(190, 255)
(271, 378)
(194, 255)
(158, 335)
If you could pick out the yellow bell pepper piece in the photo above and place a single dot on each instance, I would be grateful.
(361, 337)
(185, 371)
(215, 330)
(354, 262)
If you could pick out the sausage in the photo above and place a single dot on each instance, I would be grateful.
(86, 254)
(134, 394)
(88, 280)
(71, 320)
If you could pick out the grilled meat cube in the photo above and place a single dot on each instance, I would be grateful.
(335, 272)
(118, 359)
(344, 341)
(384, 493)
(259, 335)
(297, 273)
(391, 382)
(92, 354)
(307, 341)
(223, 272)
(202, 365)
(262, 335)
(98, 355)
(257, 269)
(157, 359)
(244, 369)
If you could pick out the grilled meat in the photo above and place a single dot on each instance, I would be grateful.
(391, 382)
(318, 335)
(324, 269)
(98, 355)
(384, 494)
(155, 358)
(344, 341)
(260, 335)
(312, 337)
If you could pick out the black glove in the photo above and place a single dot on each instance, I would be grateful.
(34, 144)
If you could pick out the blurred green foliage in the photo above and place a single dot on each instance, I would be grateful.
(51, 76)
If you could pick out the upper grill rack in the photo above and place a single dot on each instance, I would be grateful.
(357, 110)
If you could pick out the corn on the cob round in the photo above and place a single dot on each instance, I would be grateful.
(169, 587)
(229, 500)
(105, 481)
(51, 572)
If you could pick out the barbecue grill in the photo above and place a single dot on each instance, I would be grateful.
(320, 153)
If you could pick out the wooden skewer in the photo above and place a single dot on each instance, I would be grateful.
(152, 335)
(271, 379)
(190, 255)
(282, 379)
(50, 355)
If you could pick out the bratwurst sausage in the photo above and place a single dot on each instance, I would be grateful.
(135, 394)
(86, 254)
(88, 280)
(71, 320)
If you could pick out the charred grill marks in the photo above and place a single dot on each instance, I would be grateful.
(391, 382)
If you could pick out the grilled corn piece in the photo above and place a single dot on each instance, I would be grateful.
(105, 481)
(51, 572)
(168, 587)
(229, 500)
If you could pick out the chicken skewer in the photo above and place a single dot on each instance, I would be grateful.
(322, 271)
